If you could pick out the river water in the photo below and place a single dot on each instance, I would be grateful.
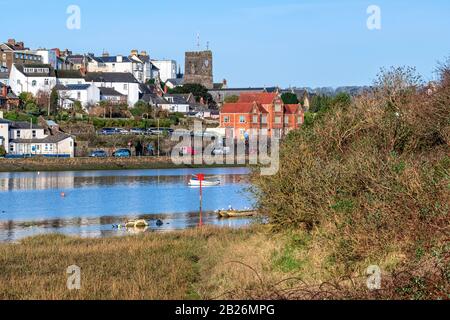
(95, 201)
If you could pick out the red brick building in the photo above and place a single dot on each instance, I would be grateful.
(260, 113)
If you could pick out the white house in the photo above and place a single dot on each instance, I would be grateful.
(177, 103)
(124, 83)
(32, 78)
(25, 139)
(87, 94)
(167, 69)
(66, 77)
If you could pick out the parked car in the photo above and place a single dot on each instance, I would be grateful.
(137, 131)
(99, 154)
(108, 131)
(122, 153)
(221, 151)
(156, 131)
(123, 131)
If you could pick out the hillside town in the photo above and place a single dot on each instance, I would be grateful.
(44, 92)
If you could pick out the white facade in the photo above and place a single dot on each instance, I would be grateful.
(131, 90)
(87, 94)
(68, 81)
(4, 132)
(173, 107)
(167, 69)
(19, 139)
(140, 70)
(19, 82)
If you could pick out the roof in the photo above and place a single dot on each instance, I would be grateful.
(111, 59)
(69, 74)
(59, 136)
(110, 77)
(291, 108)
(4, 121)
(176, 82)
(21, 68)
(153, 99)
(242, 107)
(177, 98)
(262, 97)
(249, 89)
(59, 87)
(78, 86)
(109, 92)
(24, 125)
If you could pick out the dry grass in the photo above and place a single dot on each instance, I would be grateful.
(181, 265)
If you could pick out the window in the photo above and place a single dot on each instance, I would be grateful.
(18, 134)
(34, 133)
(242, 119)
(277, 107)
(125, 87)
(226, 119)
(255, 119)
(18, 81)
(264, 119)
(33, 83)
(78, 95)
(286, 119)
(300, 120)
(278, 120)
(46, 82)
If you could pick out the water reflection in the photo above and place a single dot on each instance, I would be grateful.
(31, 204)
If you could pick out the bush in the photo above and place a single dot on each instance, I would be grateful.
(2, 151)
(369, 177)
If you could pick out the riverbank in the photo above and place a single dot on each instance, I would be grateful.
(195, 264)
(90, 164)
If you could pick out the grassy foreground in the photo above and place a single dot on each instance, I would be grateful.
(194, 264)
(207, 263)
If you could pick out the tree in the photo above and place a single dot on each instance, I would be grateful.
(231, 99)
(2, 151)
(289, 98)
(54, 100)
(199, 91)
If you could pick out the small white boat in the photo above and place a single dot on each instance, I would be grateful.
(209, 182)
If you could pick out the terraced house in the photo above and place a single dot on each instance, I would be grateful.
(26, 139)
(261, 114)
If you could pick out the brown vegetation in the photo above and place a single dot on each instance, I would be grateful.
(369, 181)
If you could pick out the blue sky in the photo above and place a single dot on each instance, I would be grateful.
(255, 42)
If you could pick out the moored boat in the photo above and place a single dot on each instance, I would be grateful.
(136, 224)
(209, 182)
(236, 213)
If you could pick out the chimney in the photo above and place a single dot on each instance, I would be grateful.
(144, 53)
(119, 58)
(12, 42)
(105, 54)
(134, 52)
(20, 45)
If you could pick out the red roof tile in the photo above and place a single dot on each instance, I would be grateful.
(291, 108)
(241, 107)
(263, 97)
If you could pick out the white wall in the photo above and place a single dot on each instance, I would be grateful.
(4, 132)
(66, 81)
(26, 134)
(167, 69)
(90, 96)
(131, 90)
(183, 108)
(64, 147)
(20, 83)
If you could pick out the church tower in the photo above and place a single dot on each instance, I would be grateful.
(198, 68)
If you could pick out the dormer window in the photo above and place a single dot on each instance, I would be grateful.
(278, 107)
